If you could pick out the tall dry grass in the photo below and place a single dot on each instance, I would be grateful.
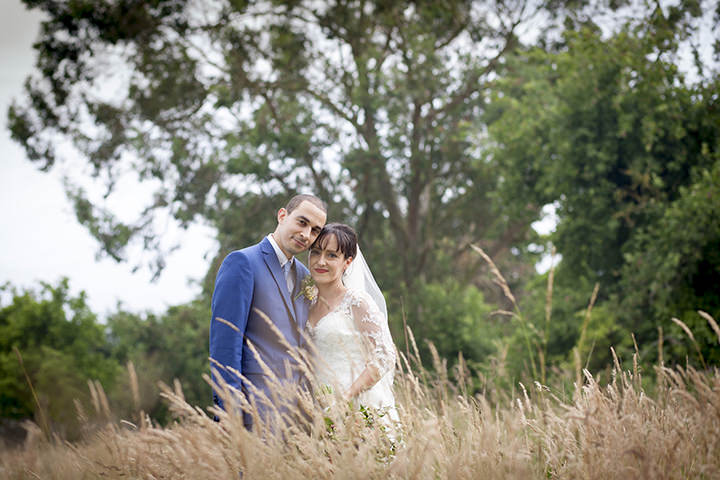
(603, 431)
(614, 430)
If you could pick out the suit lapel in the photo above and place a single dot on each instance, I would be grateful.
(273, 265)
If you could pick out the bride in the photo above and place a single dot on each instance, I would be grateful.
(355, 354)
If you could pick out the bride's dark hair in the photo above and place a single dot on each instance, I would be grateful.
(346, 237)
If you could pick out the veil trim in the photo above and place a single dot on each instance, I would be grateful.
(359, 277)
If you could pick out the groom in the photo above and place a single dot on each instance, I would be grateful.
(263, 280)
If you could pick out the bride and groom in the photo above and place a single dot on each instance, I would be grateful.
(264, 310)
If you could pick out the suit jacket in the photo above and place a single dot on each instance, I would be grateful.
(248, 281)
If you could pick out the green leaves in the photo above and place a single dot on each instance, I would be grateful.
(456, 318)
(62, 346)
(672, 265)
(164, 348)
(610, 131)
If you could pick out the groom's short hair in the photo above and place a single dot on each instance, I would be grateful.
(305, 197)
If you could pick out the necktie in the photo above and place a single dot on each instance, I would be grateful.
(289, 277)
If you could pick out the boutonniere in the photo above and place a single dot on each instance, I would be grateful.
(308, 289)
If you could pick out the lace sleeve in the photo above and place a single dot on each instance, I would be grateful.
(372, 325)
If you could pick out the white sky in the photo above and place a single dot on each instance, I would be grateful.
(40, 238)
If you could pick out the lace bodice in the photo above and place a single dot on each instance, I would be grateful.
(351, 338)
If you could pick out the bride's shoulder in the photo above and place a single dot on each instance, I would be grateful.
(355, 295)
(359, 298)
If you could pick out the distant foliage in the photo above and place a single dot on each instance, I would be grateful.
(61, 344)
(458, 321)
(224, 109)
(611, 132)
(162, 348)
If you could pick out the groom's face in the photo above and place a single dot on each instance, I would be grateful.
(297, 230)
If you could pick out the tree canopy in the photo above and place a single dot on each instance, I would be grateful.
(226, 108)
(614, 134)
(52, 345)
(50, 342)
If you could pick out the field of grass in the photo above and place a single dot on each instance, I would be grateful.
(614, 430)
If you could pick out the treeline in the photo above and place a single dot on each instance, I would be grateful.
(52, 345)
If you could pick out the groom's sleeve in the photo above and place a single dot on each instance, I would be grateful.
(230, 308)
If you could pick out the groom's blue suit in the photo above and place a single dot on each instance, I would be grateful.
(251, 281)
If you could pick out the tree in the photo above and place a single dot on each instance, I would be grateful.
(672, 266)
(226, 108)
(611, 131)
(61, 346)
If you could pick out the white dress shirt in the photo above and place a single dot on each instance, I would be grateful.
(287, 269)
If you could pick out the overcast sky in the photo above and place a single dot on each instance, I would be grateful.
(40, 239)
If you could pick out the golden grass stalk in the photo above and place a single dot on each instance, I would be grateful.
(525, 326)
(40, 409)
(499, 279)
(229, 324)
(134, 388)
(711, 321)
(586, 318)
(689, 333)
(577, 351)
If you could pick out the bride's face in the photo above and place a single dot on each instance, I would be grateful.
(327, 263)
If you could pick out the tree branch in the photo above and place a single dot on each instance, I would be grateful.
(471, 83)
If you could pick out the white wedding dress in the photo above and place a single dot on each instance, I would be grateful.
(353, 336)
